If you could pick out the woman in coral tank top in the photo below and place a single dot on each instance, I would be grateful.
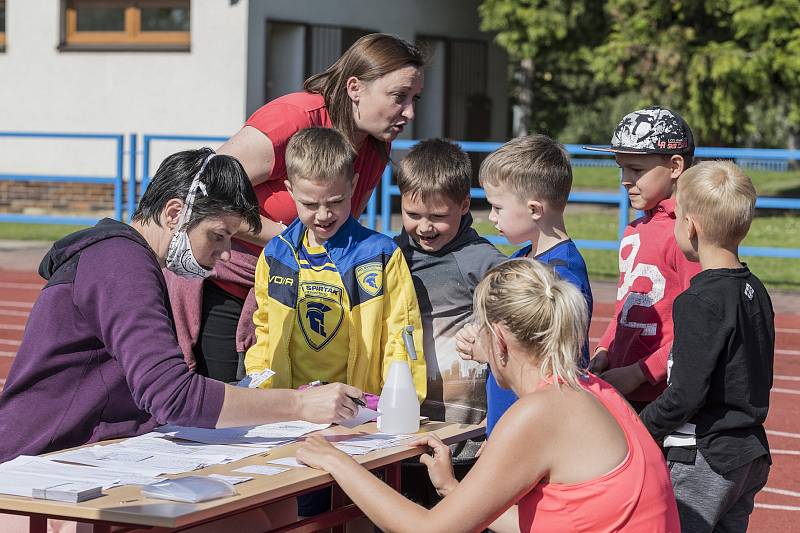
(570, 455)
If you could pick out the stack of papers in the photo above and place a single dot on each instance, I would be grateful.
(68, 491)
(21, 476)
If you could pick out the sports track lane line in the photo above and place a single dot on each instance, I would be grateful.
(776, 507)
(783, 434)
(22, 286)
(784, 452)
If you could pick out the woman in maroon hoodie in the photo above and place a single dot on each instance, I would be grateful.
(100, 358)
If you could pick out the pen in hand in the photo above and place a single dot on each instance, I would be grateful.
(357, 401)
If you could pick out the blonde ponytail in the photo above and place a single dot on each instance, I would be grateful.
(546, 314)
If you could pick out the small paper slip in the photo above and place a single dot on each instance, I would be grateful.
(377, 441)
(254, 380)
(352, 450)
(233, 480)
(287, 461)
(264, 470)
(363, 416)
(70, 491)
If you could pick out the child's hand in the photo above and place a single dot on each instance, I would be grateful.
(318, 453)
(599, 362)
(467, 344)
(439, 463)
(625, 379)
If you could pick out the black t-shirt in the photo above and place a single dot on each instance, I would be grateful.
(722, 364)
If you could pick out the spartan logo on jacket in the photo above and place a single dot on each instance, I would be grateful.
(319, 312)
(370, 277)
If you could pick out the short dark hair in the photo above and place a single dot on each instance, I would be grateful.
(433, 167)
(533, 166)
(229, 189)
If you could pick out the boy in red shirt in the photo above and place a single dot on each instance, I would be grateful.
(653, 147)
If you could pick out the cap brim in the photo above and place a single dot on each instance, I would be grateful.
(612, 150)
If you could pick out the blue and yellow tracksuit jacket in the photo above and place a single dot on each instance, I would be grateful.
(381, 296)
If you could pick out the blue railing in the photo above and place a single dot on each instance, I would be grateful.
(620, 198)
(116, 179)
(766, 158)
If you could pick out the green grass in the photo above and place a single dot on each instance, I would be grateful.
(35, 232)
(767, 183)
(601, 224)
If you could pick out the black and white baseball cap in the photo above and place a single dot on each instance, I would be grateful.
(653, 130)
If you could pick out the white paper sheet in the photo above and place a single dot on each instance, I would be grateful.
(264, 470)
(263, 435)
(118, 458)
(287, 461)
(363, 416)
(377, 441)
(192, 449)
(24, 467)
(352, 450)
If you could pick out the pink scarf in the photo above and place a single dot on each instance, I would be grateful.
(186, 300)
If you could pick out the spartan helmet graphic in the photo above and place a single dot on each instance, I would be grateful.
(316, 317)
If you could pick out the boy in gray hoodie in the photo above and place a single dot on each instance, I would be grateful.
(447, 259)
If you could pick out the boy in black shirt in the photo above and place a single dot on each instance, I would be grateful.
(711, 417)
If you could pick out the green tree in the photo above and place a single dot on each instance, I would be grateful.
(731, 67)
(549, 43)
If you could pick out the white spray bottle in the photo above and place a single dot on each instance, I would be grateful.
(398, 408)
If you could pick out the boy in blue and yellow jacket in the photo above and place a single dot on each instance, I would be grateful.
(333, 297)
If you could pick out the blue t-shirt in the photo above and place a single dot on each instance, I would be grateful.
(568, 263)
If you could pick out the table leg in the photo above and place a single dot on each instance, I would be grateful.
(393, 478)
(338, 500)
(38, 523)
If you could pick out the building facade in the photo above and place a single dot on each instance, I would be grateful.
(200, 67)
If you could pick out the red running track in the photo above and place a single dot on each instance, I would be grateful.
(777, 506)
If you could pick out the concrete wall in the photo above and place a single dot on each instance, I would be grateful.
(44, 89)
(406, 18)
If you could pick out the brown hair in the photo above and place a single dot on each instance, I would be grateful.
(319, 154)
(368, 59)
(723, 199)
(534, 166)
(435, 167)
(545, 313)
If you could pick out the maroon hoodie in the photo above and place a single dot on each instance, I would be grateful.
(100, 358)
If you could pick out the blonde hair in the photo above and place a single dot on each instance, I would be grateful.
(533, 166)
(369, 58)
(319, 154)
(723, 199)
(435, 167)
(546, 314)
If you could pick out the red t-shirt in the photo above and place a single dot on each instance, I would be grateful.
(634, 497)
(279, 120)
(653, 271)
(282, 118)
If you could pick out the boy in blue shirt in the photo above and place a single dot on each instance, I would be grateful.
(527, 182)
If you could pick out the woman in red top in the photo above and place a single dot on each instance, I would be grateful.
(570, 453)
(369, 95)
